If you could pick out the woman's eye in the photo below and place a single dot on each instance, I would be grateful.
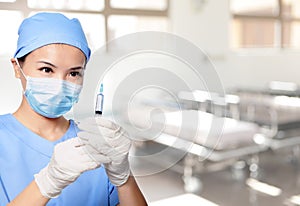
(46, 69)
(75, 74)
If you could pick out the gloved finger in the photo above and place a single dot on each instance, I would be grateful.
(123, 149)
(120, 132)
(88, 159)
(118, 149)
(106, 151)
(106, 123)
(121, 137)
(70, 156)
(97, 145)
(68, 143)
(98, 156)
(100, 121)
(85, 162)
(98, 141)
(95, 140)
(86, 136)
(93, 127)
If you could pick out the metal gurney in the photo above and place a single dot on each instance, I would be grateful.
(284, 116)
(203, 136)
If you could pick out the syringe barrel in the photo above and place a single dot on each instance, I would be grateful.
(99, 104)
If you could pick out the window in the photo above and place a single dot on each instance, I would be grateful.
(122, 25)
(83, 5)
(265, 24)
(102, 20)
(140, 4)
(128, 16)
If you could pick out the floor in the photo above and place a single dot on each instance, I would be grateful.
(225, 187)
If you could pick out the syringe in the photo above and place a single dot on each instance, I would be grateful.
(99, 101)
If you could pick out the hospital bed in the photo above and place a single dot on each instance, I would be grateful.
(278, 111)
(275, 109)
(207, 139)
(252, 122)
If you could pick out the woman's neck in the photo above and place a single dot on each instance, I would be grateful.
(50, 129)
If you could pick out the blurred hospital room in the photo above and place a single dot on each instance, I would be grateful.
(209, 91)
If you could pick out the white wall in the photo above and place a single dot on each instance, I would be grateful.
(10, 87)
(209, 28)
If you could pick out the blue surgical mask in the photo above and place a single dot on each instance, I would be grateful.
(50, 97)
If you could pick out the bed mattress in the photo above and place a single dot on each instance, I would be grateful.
(198, 127)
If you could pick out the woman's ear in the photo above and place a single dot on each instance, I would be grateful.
(16, 68)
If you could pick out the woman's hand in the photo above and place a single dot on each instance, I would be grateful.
(68, 161)
(102, 136)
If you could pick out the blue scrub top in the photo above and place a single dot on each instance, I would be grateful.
(24, 153)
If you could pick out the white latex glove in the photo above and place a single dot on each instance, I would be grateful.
(68, 161)
(107, 138)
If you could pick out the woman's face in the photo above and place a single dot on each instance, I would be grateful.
(59, 61)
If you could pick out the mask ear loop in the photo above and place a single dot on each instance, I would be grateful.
(21, 70)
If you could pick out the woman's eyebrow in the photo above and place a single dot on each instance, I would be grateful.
(52, 65)
(76, 68)
(48, 63)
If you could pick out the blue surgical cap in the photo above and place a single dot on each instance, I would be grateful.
(49, 28)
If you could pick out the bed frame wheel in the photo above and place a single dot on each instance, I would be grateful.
(192, 184)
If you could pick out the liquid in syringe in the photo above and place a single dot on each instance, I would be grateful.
(99, 101)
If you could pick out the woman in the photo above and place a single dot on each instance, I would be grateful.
(46, 159)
